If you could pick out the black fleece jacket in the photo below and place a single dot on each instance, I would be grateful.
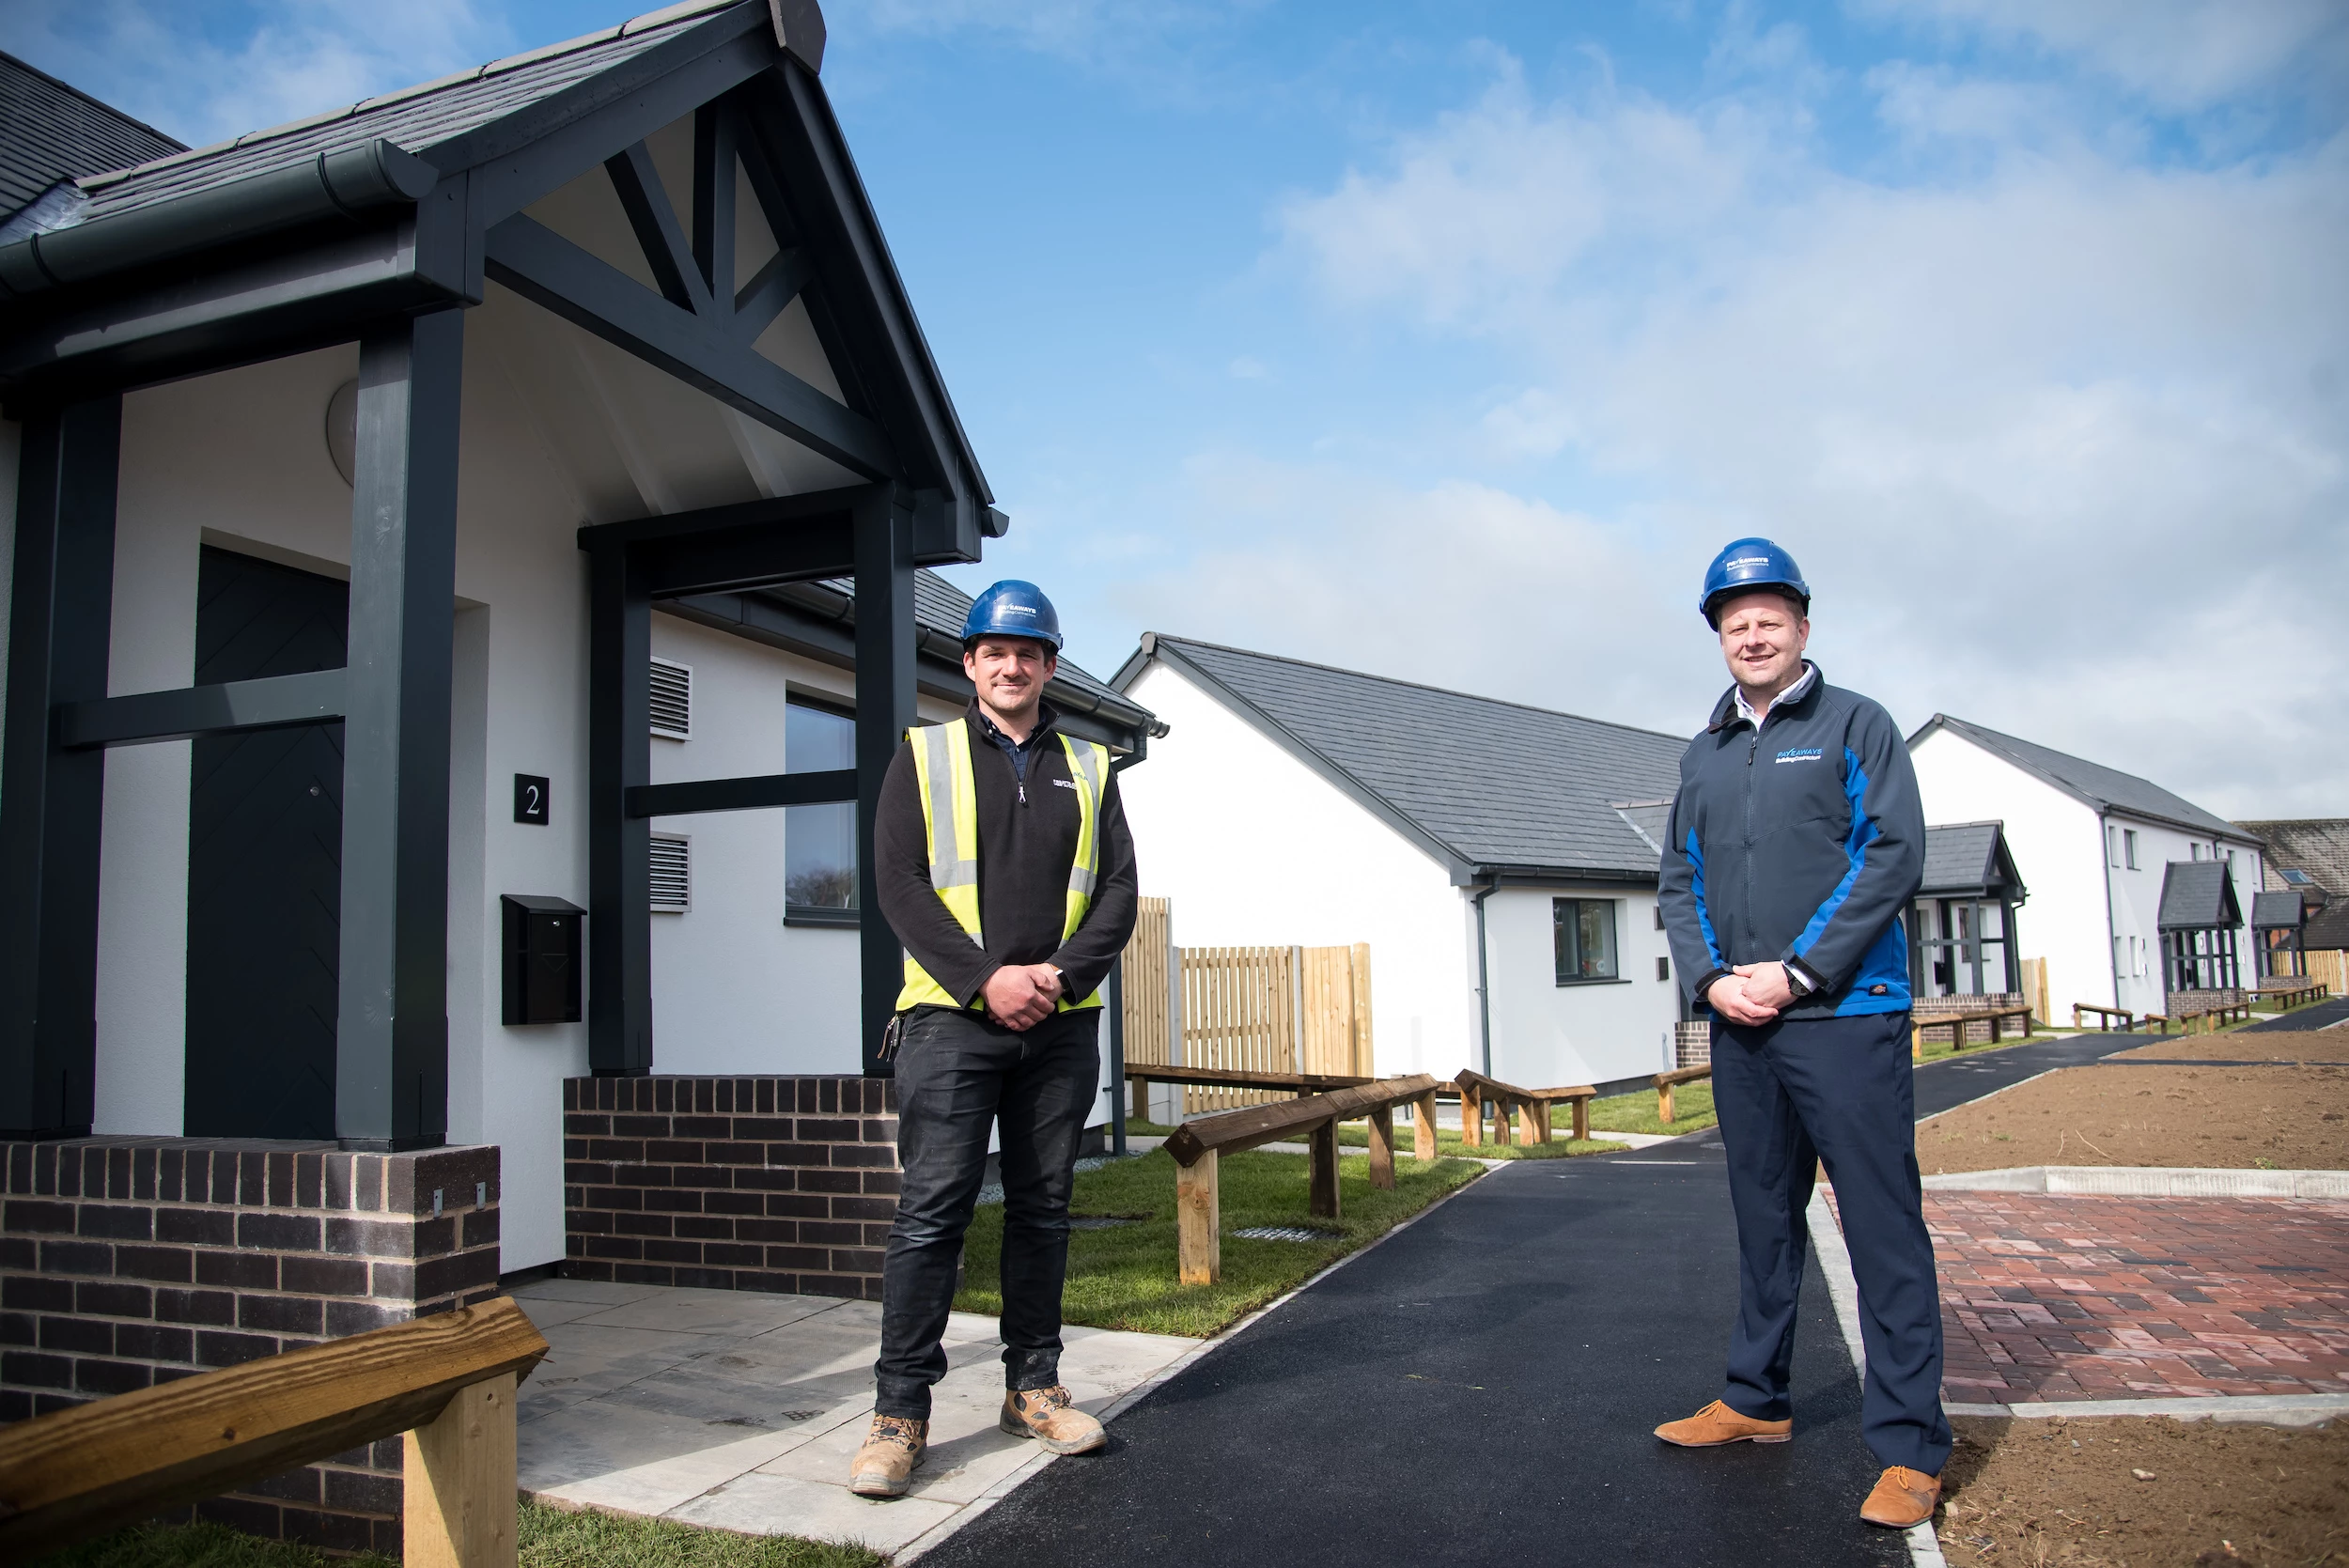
(1027, 842)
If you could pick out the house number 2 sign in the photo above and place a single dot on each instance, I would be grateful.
(530, 799)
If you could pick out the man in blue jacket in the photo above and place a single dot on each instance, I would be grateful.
(1796, 845)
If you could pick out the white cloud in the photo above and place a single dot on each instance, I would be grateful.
(2062, 443)
(2180, 54)
(289, 58)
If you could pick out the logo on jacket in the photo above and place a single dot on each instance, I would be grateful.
(1064, 783)
(1807, 753)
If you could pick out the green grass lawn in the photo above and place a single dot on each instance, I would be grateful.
(1124, 1277)
(547, 1538)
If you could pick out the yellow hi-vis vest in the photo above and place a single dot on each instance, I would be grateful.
(950, 815)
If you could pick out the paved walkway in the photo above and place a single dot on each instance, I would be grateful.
(2324, 1015)
(740, 1410)
(2076, 1297)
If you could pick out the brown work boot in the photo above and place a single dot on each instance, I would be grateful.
(1045, 1415)
(1716, 1423)
(884, 1466)
(1902, 1498)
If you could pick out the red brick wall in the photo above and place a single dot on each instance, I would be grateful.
(127, 1261)
(772, 1184)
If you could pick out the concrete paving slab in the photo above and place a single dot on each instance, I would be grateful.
(546, 1311)
(754, 1432)
(605, 1291)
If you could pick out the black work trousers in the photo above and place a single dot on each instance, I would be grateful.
(959, 1073)
(1792, 1095)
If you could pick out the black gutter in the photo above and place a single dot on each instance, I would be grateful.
(351, 184)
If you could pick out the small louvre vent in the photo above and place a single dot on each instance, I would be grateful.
(672, 874)
(672, 700)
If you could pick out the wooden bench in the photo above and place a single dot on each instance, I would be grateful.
(1956, 1022)
(1667, 1083)
(2288, 997)
(1142, 1074)
(2128, 1020)
(1199, 1145)
(1530, 1107)
(2207, 1021)
(447, 1381)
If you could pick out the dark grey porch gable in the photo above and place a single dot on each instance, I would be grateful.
(1495, 792)
(378, 224)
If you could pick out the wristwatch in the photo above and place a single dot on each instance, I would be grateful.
(1796, 984)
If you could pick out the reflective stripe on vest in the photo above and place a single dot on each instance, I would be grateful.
(950, 817)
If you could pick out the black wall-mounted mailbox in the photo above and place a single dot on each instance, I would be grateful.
(542, 958)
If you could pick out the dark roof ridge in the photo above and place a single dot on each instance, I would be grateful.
(1417, 686)
(91, 98)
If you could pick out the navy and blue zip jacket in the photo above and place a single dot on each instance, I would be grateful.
(1802, 841)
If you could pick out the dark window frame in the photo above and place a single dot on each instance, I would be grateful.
(797, 915)
(1614, 975)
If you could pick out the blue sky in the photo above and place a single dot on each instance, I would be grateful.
(1449, 340)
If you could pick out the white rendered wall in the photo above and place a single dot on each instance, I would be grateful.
(240, 459)
(1545, 1035)
(2058, 844)
(2137, 902)
(1256, 849)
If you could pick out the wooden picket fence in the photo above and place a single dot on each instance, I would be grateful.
(1244, 1009)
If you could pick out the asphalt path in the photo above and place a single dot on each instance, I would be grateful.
(2321, 1015)
(1487, 1381)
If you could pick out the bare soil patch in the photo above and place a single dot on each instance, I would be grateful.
(2208, 1117)
(2279, 1045)
(2059, 1491)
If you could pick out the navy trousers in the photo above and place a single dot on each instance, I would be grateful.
(1792, 1095)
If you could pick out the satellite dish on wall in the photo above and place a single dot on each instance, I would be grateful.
(342, 430)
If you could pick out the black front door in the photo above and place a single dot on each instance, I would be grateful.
(265, 839)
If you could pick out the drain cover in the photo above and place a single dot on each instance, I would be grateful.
(1284, 1232)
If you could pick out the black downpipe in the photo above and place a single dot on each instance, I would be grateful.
(1484, 986)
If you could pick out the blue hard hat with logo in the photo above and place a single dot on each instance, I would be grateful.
(1013, 609)
(1746, 565)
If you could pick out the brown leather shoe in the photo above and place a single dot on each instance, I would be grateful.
(1902, 1498)
(1716, 1423)
(1045, 1415)
(883, 1467)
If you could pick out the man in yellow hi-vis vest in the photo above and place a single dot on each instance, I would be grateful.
(1007, 872)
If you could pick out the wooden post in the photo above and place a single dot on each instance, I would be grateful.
(1140, 1087)
(1526, 1135)
(1198, 1222)
(1471, 1117)
(1382, 1147)
(1582, 1119)
(1916, 1040)
(459, 1482)
(1993, 1029)
(1423, 1127)
(1323, 1141)
(1664, 1103)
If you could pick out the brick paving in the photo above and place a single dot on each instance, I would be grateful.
(2076, 1297)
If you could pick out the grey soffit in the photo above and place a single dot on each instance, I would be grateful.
(1490, 787)
(2316, 844)
(49, 131)
(1968, 858)
(2197, 895)
(2275, 911)
(420, 119)
(2100, 786)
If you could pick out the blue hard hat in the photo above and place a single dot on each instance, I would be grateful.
(1013, 609)
(1746, 565)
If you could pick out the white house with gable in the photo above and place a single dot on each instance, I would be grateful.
(1498, 858)
(2096, 848)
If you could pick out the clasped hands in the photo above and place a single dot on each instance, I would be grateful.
(1750, 993)
(1020, 996)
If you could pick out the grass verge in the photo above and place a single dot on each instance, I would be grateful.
(547, 1538)
(1124, 1276)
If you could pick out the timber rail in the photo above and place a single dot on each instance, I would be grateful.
(1530, 1107)
(1667, 1083)
(447, 1381)
(1957, 1023)
(1140, 1075)
(1199, 1145)
(2128, 1020)
(2289, 997)
(2209, 1020)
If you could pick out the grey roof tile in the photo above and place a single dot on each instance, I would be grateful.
(1968, 857)
(49, 131)
(2275, 911)
(2197, 895)
(417, 120)
(2091, 781)
(2316, 844)
(943, 607)
(1493, 783)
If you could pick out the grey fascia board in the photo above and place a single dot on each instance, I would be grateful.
(1484, 875)
(1443, 854)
